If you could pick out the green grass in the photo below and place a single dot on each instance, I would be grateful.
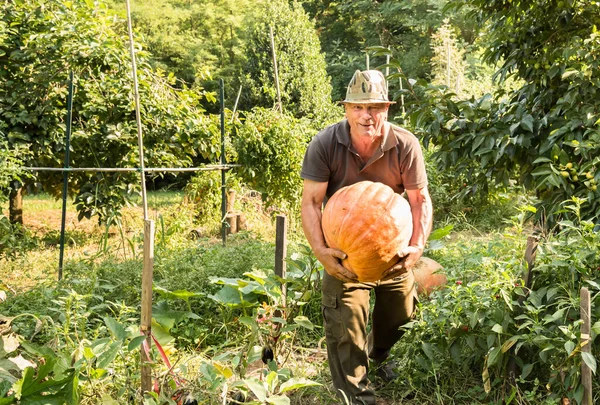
(103, 278)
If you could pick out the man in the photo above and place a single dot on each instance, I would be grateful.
(364, 146)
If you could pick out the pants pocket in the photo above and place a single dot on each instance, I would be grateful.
(332, 317)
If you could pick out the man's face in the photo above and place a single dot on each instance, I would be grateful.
(366, 119)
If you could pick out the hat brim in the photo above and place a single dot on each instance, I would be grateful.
(366, 102)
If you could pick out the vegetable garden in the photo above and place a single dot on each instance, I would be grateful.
(512, 165)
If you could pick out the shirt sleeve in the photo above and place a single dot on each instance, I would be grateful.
(414, 176)
(315, 165)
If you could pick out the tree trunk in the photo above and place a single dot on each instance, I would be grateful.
(15, 208)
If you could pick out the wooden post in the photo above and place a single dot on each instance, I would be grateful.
(232, 224)
(281, 252)
(223, 186)
(586, 373)
(530, 254)
(230, 200)
(15, 206)
(146, 323)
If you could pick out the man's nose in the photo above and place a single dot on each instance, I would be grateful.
(367, 113)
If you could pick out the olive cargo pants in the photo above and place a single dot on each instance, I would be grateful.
(346, 315)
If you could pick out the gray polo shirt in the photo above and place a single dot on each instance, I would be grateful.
(331, 158)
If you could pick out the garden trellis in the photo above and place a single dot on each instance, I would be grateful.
(148, 245)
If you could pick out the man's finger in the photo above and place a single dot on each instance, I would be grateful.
(338, 254)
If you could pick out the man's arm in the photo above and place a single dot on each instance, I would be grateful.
(313, 195)
(422, 215)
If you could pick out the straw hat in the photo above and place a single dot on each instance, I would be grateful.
(367, 87)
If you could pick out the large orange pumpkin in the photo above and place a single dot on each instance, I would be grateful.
(370, 223)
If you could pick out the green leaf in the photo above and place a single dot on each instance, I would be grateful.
(429, 350)
(135, 342)
(526, 370)
(441, 232)
(304, 322)
(72, 392)
(178, 294)
(257, 387)
(569, 347)
(254, 354)
(494, 356)
(278, 400)
(497, 328)
(295, 383)
(227, 296)
(107, 357)
(527, 123)
(589, 360)
(453, 108)
(568, 73)
(115, 327)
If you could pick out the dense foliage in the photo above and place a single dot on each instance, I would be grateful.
(543, 134)
(270, 147)
(192, 39)
(303, 83)
(42, 42)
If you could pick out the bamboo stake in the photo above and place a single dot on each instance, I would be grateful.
(279, 106)
(281, 252)
(223, 186)
(237, 99)
(146, 317)
(138, 116)
(586, 372)
(280, 264)
(148, 264)
(68, 120)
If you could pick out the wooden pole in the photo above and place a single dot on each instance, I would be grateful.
(279, 106)
(68, 120)
(387, 73)
(281, 252)
(138, 116)
(146, 322)
(148, 264)
(237, 99)
(586, 350)
(223, 186)
(530, 254)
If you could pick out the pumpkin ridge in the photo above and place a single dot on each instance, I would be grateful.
(385, 211)
(356, 202)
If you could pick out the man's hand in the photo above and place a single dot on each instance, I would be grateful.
(396, 271)
(408, 257)
(330, 259)
(411, 254)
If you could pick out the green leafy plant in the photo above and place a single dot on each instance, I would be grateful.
(540, 135)
(270, 147)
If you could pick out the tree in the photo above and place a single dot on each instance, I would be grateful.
(303, 82)
(348, 27)
(448, 61)
(543, 135)
(194, 39)
(45, 39)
